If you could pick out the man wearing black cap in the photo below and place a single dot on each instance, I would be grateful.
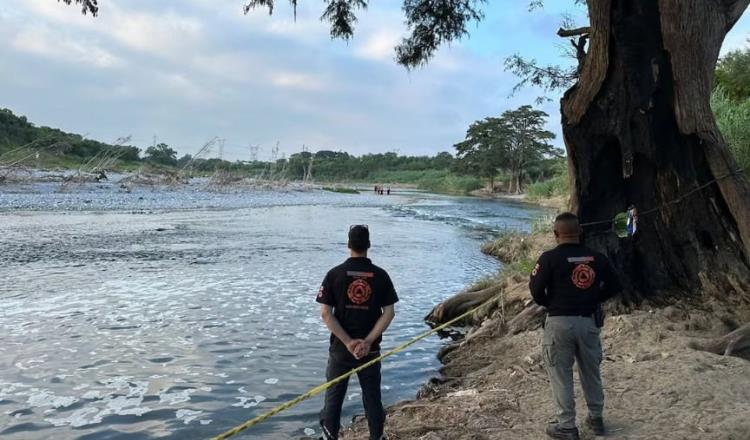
(356, 303)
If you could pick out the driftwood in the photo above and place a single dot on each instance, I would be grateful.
(732, 343)
(460, 304)
(530, 318)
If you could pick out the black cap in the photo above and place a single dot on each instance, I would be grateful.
(359, 237)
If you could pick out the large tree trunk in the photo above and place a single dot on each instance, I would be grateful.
(639, 131)
(518, 182)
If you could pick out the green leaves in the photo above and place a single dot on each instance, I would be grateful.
(432, 23)
(733, 119)
(162, 154)
(87, 6)
(730, 102)
(733, 75)
(341, 15)
(511, 143)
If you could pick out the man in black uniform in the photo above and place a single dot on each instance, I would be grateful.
(572, 281)
(357, 305)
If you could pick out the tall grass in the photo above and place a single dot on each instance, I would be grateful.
(557, 186)
(733, 119)
(451, 184)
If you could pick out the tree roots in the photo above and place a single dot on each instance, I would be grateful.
(732, 343)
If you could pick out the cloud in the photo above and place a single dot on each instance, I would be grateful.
(296, 80)
(237, 67)
(163, 33)
(41, 41)
(182, 86)
(379, 46)
(170, 34)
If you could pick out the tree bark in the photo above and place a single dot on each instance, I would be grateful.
(639, 131)
(518, 182)
(460, 304)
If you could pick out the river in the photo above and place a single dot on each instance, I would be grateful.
(179, 313)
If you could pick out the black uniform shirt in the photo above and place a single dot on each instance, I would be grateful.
(572, 280)
(358, 290)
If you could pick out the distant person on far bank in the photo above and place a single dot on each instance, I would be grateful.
(572, 281)
(357, 305)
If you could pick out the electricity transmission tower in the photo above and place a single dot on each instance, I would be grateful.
(254, 149)
(221, 148)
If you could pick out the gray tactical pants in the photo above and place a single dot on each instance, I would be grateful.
(567, 339)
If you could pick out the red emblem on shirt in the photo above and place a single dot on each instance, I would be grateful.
(359, 291)
(536, 270)
(321, 292)
(583, 276)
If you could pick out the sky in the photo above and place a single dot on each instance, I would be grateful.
(185, 71)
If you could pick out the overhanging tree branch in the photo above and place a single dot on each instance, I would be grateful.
(432, 23)
(574, 32)
(87, 6)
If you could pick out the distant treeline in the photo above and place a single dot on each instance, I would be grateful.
(24, 144)
(16, 132)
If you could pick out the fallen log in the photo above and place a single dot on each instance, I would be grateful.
(460, 304)
(731, 343)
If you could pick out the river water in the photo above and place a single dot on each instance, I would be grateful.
(163, 313)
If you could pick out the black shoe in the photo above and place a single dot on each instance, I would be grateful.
(596, 424)
(557, 432)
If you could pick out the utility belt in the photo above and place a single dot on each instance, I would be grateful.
(597, 315)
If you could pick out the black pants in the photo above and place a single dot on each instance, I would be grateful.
(369, 380)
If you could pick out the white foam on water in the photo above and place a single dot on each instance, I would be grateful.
(309, 431)
(46, 398)
(122, 405)
(271, 381)
(8, 388)
(187, 415)
(352, 396)
(249, 402)
(79, 418)
(176, 397)
(31, 363)
(91, 395)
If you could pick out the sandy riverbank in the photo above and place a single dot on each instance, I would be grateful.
(553, 202)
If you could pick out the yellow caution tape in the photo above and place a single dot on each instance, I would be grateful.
(320, 388)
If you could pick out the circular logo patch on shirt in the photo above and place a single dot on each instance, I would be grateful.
(583, 276)
(359, 291)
